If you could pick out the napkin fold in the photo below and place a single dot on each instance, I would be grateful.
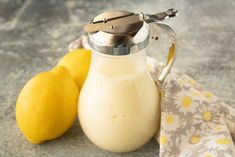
(194, 122)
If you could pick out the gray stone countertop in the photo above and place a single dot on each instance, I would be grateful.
(34, 35)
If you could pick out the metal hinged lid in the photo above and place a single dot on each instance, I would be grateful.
(122, 32)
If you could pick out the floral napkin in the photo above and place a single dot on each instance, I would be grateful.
(194, 122)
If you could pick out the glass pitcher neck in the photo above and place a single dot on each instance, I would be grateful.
(119, 65)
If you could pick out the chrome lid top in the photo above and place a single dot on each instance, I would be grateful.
(122, 32)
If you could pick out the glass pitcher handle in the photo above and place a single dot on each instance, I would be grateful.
(157, 29)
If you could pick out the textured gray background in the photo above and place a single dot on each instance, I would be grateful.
(35, 34)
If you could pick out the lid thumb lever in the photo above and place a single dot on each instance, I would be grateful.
(149, 18)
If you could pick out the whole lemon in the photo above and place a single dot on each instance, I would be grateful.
(47, 105)
(78, 63)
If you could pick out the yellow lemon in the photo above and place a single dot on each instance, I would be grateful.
(47, 105)
(78, 63)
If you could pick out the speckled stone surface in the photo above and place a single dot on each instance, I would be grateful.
(35, 34)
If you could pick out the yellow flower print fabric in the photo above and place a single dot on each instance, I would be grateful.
(194, 123)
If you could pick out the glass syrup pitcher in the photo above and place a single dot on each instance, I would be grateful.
(119, 103)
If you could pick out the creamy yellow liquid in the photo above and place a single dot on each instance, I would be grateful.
(119, 105)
